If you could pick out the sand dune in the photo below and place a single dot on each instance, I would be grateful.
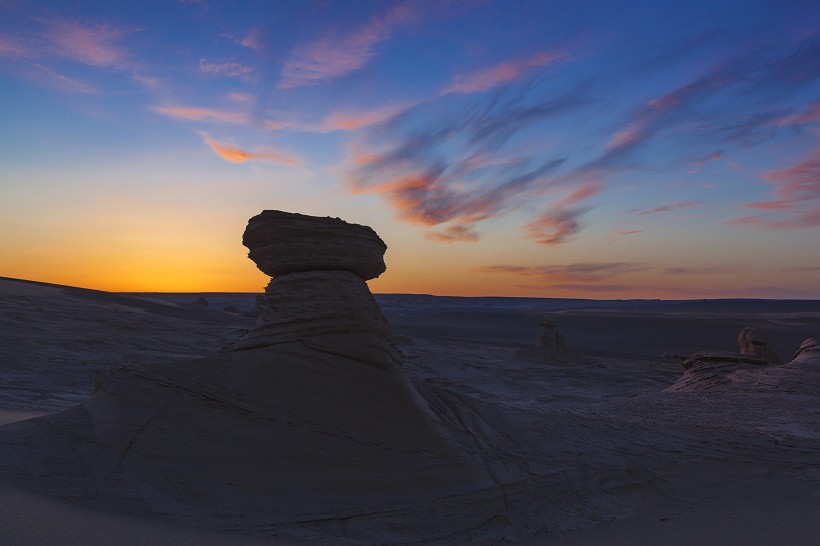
(321, 424)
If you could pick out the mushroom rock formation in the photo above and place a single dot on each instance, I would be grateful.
(752, 342)
(318, 295)
(309, 426)
(551, 345)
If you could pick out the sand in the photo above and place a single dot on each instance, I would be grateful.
(610, 457)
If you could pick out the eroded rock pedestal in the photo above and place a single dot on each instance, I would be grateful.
(308, 422)
(318, 296)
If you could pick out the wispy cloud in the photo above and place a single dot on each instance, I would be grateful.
(231, 69)
(234, 154)
(669, 208)
(11, 48)
(337, 55)
(505, 72)
(555, 226)
(700, 162)
(351, 120)
(796, 203)
(252, 40)
(459, 168)
(452, 234)
(201, 114)
(810, 115)
(737, 101)
(49, 77)
(92, 44)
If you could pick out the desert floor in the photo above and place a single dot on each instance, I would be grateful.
(55, 341)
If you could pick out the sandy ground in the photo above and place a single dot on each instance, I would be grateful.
(53, 340)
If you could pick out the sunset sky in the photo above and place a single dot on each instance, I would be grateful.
(601, 149)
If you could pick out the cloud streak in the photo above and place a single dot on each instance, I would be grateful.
(336, 55)
(796, 203)
(233, 154)
(555, 226)
(505, 72)
(670, 208)
(229, 69)
(94, 45)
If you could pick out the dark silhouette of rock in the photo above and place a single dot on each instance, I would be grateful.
(199, 302)
(551, 345)
(283, 242)
(232, 309)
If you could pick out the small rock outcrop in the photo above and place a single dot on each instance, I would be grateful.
(200, 303)
(757, 367)
(551, 346)
(752, 342)
(807, 354)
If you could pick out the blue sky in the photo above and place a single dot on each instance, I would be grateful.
(586, 149)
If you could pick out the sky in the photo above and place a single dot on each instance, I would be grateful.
(592, 149)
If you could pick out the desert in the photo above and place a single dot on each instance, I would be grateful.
(333, 417)
(394, 272)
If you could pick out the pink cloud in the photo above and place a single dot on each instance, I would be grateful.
(452, 234)
(770, 205)
(800, 220)
(796, 192)
(631, 134)
(93, 45)
(9, 47)
(699, 163)
(201, 114)
(252, 40)
(811, 115)
(347, 121)
(798, 182)
(586, 191)
(335, 56)
(554, 226)
(237, 155)
(240, 98)
(500, 73)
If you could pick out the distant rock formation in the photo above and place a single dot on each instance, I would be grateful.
(551, 345)
(752, 342)
(200, 302)
(750, 369)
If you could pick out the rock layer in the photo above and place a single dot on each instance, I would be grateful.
(284, 242)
